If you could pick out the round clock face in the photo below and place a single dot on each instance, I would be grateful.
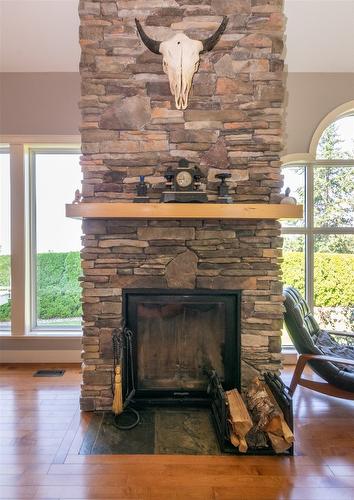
(184, 179)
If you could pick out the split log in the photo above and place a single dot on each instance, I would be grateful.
(280, 434)
(268, 416)
(258, 402)
(257, 439)
(240, 421)
(233, 438)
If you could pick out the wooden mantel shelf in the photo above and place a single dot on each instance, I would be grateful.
(182, 211)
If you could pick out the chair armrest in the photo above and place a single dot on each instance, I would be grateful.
(325, 357)
(341, 334)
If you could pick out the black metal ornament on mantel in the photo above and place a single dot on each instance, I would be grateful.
(141, 190)
(223, 188)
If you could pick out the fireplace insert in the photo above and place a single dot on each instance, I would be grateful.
(178, 337)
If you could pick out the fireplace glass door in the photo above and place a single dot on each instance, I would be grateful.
(180, 337)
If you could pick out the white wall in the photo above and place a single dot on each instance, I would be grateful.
(47, 103)
(310, 97)
(39, 103)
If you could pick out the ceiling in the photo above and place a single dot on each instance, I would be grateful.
(42, 35)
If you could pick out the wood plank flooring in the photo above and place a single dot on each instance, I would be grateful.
(41, 430)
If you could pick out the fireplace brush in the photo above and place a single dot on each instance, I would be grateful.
(122, 339)
(117, 406)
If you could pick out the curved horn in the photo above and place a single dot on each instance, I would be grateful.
(151, 44)
(209, 43)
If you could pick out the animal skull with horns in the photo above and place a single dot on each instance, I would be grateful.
(181, 58)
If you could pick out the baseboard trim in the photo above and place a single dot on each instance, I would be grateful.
(289, 357)
(40, 356)
(39, 343)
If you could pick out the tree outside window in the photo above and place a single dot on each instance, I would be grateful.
(334, 208)
(324, 243)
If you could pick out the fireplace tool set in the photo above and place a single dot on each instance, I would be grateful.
(122, 347)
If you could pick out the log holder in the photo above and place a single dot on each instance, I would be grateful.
(219, 410)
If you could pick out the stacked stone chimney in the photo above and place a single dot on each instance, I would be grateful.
(130, 127)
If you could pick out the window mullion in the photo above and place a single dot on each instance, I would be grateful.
(33, 240)
(309, 239)
(19, 275)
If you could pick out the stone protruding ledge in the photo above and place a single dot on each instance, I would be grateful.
(183, 211)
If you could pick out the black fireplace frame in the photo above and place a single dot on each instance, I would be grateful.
(232, 342)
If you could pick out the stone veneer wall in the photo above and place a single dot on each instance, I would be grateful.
(130, 127)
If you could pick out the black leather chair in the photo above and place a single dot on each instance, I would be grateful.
(333, 362)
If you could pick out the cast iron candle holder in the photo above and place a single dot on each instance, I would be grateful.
(223, 188)
(141, 189)
(169, 176)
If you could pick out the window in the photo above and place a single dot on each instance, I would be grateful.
(319, 250)
(293, 267)
(55, 245)
(5, 241)
(40, 293)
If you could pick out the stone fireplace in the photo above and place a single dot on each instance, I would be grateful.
(197, 255)
(130, 128)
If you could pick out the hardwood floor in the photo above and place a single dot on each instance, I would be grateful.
(41, 429)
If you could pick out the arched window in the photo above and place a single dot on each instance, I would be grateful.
(319, 249)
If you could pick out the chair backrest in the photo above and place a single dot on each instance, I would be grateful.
(304, 330)
(299, 321)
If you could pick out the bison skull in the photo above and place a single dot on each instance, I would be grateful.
(180, 62)
(181, 57)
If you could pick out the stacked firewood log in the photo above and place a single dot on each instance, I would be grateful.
(257, 417)
(240, 422)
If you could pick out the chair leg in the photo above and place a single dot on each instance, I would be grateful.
(327, 388)
(300, 365)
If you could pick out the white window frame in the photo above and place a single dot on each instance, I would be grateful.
(309, 162)
(309, 230)
(22, 231)
(4, 150)
(32, 154)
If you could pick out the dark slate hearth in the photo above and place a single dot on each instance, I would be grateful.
(185, 432)
(103, 438)
(170, 431)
